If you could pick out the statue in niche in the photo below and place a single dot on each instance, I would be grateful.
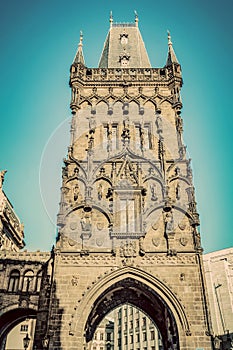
(100, 192)
(92, 125)
(182, 151)
(153, 192)
(189, 169)
(126, 132)
(76, 192)
(142, 136)
(178, 191)
(177, 171)
(85, 222)
(73, 94)
(169, 223)
(64, 173)
(109, 136)
(76, 171)
(179, 124)
(91, 143)
(151, 171)
(159, 123)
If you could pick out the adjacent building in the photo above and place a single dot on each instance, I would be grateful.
(218, 268)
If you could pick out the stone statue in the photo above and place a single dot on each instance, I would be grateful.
(76, 192)
(169, 223)
(76, 171)
(153, 192)
(159, 123)
(92, 125)
(100, 192)
(177, 191)
(85, 223)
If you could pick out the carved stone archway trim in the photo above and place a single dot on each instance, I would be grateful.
(144, 285)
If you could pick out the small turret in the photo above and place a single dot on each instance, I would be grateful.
(171, 57)
(79, 57)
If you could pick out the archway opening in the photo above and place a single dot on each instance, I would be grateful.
(127, 327)
(140, 296)
(14, 326)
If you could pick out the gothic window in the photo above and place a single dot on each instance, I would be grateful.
(137, 136)
(147, 131)
(127, 208)
(114, 137)
(143, 136)
(110, 137)
(13, 285)
(27, 281)
(124, 39)
(38, 281)
(124, 60)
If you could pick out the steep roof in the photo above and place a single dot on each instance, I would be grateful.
(171, 57)
(79, 57)
(124, 47)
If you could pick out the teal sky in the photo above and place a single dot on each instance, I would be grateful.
(38, 43)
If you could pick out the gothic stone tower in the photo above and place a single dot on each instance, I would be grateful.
(128, 220)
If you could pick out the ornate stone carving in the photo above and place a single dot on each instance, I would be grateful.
(74, 280)
(156, 241)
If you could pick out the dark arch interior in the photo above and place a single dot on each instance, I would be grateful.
(141, 296)
(11, 318)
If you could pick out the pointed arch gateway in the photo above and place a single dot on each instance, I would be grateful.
(133, 286)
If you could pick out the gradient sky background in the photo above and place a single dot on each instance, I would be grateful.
(38, 43)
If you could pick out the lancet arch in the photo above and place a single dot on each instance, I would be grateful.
(140, 289)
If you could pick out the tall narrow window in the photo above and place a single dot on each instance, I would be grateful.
(147, 134)
(27, 281)
(114, 137)
(13, 285)
(38, 281)
(105, 136)
(127, 208)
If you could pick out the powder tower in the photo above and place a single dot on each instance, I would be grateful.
(127, 219)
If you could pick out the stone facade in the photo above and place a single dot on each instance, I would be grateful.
(127, 219)
(11, 229)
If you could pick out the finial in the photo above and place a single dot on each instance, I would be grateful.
(81, 38)
(169, 38)
(111, 19)
(136, 17)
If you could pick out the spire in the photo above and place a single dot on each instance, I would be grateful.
(79, 58)
(171, 57)
(124, 47)
(111, 19)
(136, 18)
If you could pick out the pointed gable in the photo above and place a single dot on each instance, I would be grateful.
(124, 47)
